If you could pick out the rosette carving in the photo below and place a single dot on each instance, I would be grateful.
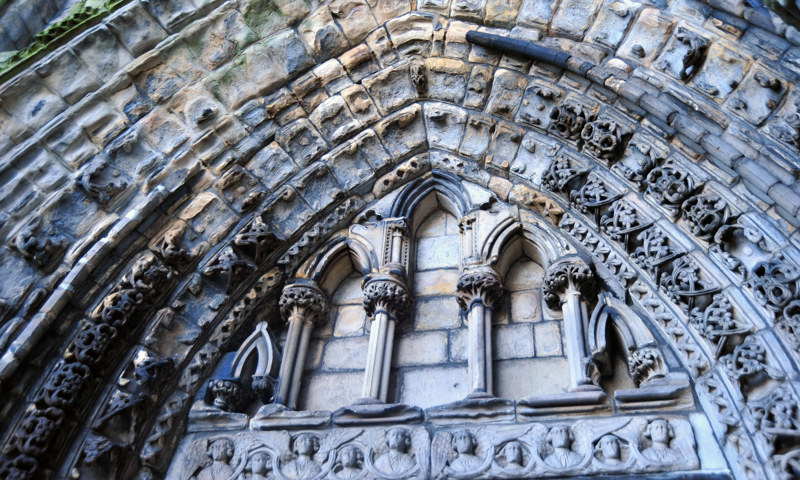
(481, 286)
(385, 293)
(307, 301)
(570, 273)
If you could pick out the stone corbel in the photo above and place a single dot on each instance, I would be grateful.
(302, 306)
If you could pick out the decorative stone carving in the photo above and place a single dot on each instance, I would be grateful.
(170, 248)
(396, 460)
(603, 139)
(669, 186)
(684, 284)
(644, 364)
(465, 461)
(640, 157)
(560, 174)
(102, 182)
(34, 433)
(705, 214)
(210, 461)
(655, 250)
(685, 55)
(387, 294)
(620, 221)
(257, 235)
(570, 274)
(561, 457)
(39, 244)
(64, 385)
(228, 395)
(568, 119)
(777, 416)
(775, 283)
(716, 323)
(478, 286)
(592, 195)
(787, 127)
(747, 364)
(228, 264)
(789, 325)
(597, 245)
(89, 346)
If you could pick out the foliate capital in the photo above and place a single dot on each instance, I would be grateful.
(305, 300)
(479, 285)
(569, 274)
(386, 292)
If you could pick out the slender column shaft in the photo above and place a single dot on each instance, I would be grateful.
(288, 358)
(299, 364)
(476, 357)
(387, 360)
(487, 335)
(574, 311)
(376, 355)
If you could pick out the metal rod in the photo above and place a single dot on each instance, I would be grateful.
(528, 49)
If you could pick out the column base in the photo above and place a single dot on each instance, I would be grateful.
(278, 417)
(476, 407)
(376, 412)
(582, 400)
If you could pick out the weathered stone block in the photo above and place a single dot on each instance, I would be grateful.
(355, 18)
(137, 30)
(526, 306)
(333, 77)
(385, 10)
(646, 36)
(215, 40)
(512, 341)
(548, 339)
(318, 187)
(173, 14)
(447, 79)
(391, 88)
(349, 321)
(18, 279)
(404, 173)
(412, 34)
(403, 132)
(506, 93)
(288, 211)
(434, 313)
(345, 353)
(67, 140)
(501, 13)
(359, 62)
(208, 216)
(521, 378)
(30, 102)
(535, 12)
(438, 252)
(361, 104)
(449, 383)
(180, 58)
(289, 52)
(154, 77)
(445, 125)
(573, 18)
(302, 142)
(478, 133)
(428, 348)
(331, 391)
(266, 17)
(334, 120)
(163, 129)
(101, 121)
(612, 22)
(442, 282)
(722, 72)
(478, 87)
(321, 32)
(503, 147)
(349, 166)
(66, 75)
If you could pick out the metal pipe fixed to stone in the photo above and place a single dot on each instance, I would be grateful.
(530, 50)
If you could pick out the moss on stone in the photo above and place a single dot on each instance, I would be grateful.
(260, 13)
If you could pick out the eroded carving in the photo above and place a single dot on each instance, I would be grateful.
(688, 51)
(639, 159)
(228, 264)
(660, 434)
(560, 455)
(669, 186)
(747, 364)
(560, 174)
(655, 250)
(592, 195)
(684, 284)
(386, 293)
(568, 119)
(603, 139)
(257, 236)
(775, 283)
(620, 221)
(717, 324)
(644, 364)
(41, 245)
(705, 214)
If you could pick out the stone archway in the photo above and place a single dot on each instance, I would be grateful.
(356, 127)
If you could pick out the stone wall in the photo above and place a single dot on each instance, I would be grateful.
(165, 130)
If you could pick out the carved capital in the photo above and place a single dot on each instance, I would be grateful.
(570, 274)
(385, 292)
(645, 363)
(304, 300)
(227, 394)
(478, 286)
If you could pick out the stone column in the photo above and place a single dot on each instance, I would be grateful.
(302, 305)
(567, 285)
(386, 300)
(478, 291)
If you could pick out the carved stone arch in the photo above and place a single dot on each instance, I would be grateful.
(513, 239)
(349, 252)
(443, 187)
(612, 312)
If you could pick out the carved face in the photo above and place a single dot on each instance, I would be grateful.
(221, 450)
(464, 442)
(659, 431)
(560, 437)
(609, 445)
(305, 444)
(259, 463)
(513, 452)
(350, 457)
(397, 439)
